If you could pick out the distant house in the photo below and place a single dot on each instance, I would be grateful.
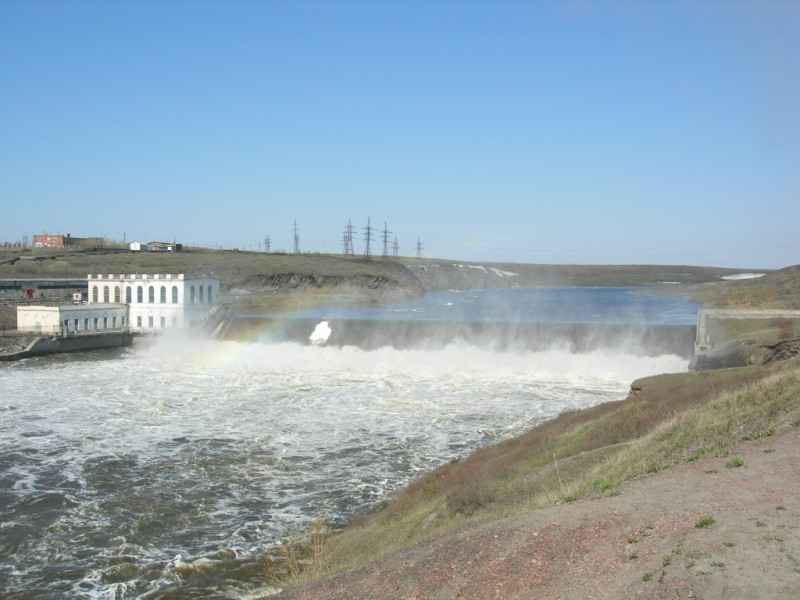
(139, 247)
(164, 247)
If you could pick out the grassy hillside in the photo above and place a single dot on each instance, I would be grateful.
(664, 421)
(778, 289)
(437, 274)
(234, 268)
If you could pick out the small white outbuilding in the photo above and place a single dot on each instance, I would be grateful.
(72, 319)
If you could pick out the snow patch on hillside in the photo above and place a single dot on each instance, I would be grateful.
(739, 276)
(498, 272)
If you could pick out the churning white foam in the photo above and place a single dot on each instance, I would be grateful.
(457, 360)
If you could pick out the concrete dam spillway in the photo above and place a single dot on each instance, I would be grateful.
(644, 340)
(573, 319)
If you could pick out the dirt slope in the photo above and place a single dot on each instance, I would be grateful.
(642, 541)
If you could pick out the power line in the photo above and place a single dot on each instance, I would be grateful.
(395, 247)
(296, 239)
(419, 248)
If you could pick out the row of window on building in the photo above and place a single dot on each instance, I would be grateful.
(196, 295)
(95, 322)
(151, 322)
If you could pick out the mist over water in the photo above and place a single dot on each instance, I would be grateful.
(172, 469)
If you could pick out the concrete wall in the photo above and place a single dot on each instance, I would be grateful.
(704, 340)
(54, 345)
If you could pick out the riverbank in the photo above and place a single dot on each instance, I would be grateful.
(702, 529)
(688, 487)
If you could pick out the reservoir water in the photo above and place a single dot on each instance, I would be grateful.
(170, 470)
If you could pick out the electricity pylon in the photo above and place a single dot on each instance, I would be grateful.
(347, 239)
(386, 233)
(368, 240)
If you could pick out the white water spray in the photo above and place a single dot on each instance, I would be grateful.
(320, 334)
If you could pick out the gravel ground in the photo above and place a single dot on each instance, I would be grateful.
(643, 541)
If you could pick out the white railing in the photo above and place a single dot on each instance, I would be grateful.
(137, 276)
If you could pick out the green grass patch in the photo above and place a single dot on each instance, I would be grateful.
(605, 485)
(704, 522)
(697, 454)
(759, 434)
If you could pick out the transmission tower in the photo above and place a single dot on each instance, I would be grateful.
(395, 247)
(296, 239)
(367, 240)
(267, 244)
(347, 239)
(419, 248)
(386, 233)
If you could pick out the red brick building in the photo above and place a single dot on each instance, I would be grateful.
(47, 240)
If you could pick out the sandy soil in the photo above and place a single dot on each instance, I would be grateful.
(642, 542)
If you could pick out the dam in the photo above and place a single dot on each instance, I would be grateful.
(576, 319)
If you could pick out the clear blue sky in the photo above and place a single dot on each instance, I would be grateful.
(551, 132)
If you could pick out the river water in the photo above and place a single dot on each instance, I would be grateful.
(169, 470)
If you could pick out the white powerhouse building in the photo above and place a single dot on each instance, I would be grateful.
(143, 303)
(157, 301)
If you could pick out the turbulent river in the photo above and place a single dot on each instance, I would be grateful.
(170, 470)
